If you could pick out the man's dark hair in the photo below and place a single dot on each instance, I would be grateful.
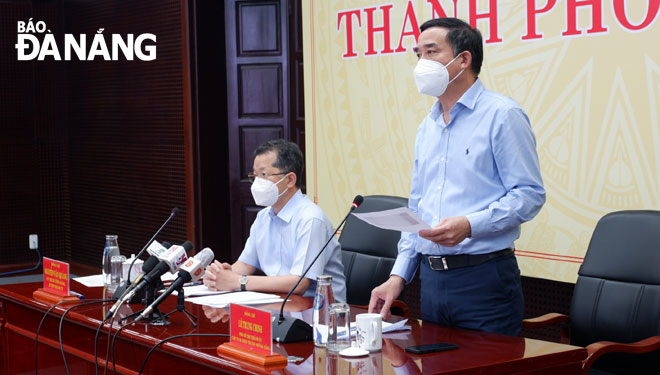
(461, 37)
(289, 157)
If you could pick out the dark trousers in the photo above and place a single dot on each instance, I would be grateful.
(487, 297)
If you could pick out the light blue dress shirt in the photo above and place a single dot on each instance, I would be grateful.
(287, 242)
(482, 165)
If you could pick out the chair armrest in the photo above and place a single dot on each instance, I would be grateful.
(548, 319)
(597, 349)
(544, 320)
(400, 308)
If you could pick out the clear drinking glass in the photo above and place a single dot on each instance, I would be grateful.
(111, 249)
(339, 327)
(116, 270)
(322, 300)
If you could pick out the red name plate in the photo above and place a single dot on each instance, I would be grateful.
(56, 277)
(250, 329)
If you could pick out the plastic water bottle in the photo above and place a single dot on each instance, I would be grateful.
(111, 249)
(322, 301)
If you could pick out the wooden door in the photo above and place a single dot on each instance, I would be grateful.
(257, 50)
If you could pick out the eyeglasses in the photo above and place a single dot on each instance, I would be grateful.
(252, 176)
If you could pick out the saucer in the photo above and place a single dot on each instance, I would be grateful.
(353, 352)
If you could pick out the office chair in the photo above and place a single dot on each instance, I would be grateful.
(368, 252)
(616, 301)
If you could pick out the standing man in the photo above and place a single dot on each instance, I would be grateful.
(475, 180)
(286, 235)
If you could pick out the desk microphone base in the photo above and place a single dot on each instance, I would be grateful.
(291, 330)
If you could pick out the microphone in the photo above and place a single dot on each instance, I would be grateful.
(154, 249)
(121, 289)
(149, 265)
(171, 261)
(287, 329)
(192, 270)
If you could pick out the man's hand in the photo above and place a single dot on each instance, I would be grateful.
(216, 314)
(219, 276)
(449, 232)
(383, 295)
(393, 353)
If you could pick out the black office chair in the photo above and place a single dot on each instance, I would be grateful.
(368, 252)
(616, 301)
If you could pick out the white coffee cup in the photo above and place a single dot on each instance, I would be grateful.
(369, 331)
(135, 271)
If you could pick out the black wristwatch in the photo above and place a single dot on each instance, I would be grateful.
(243, 281)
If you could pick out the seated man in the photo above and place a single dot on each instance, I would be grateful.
(286, 235)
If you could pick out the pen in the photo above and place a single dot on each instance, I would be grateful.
(77, 295)
(195, 283)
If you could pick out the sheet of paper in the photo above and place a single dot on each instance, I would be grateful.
(249, 302)
(223, 300)
(168, 276)
(97, 280)
(90, 281)
(198, 291)
(401, 219)
(386, 327)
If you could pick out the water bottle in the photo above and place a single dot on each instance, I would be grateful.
(322, 301)
(111, 249)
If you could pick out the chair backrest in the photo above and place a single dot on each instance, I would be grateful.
(617, 294)
(368, 253)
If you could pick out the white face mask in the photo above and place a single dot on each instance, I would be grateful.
(265, 191)
(432, 78)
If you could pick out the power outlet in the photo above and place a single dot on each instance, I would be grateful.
(34, 241)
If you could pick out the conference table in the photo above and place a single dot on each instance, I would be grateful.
(20, 315)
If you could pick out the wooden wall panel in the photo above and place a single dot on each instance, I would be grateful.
(260, 90)
(128, 131)
(210, 121)
(33, 144)
(297, 81)
(258, 28)
(250, 138)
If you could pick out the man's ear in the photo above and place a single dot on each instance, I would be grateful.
(466, 60)
(291, 179)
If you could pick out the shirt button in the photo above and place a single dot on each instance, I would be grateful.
(436, 246)
(439, 187)
(446, 130)
(443, 159)
(435, 218)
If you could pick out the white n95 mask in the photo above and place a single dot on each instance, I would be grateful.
(265, 191)
(432, 78)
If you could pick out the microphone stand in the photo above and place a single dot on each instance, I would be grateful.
(181, 306)
(156, 317)
(288, 329)
(124, 288)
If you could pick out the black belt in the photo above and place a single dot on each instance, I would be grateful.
(448, 262)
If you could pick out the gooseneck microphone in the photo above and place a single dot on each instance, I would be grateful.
(170, 261)
(288, 329)
(191, 270)
(147, 267)
(123, 287)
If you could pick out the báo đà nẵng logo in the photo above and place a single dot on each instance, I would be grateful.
(128, 47)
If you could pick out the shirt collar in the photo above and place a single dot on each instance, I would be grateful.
(286, 213)
(468, 99)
